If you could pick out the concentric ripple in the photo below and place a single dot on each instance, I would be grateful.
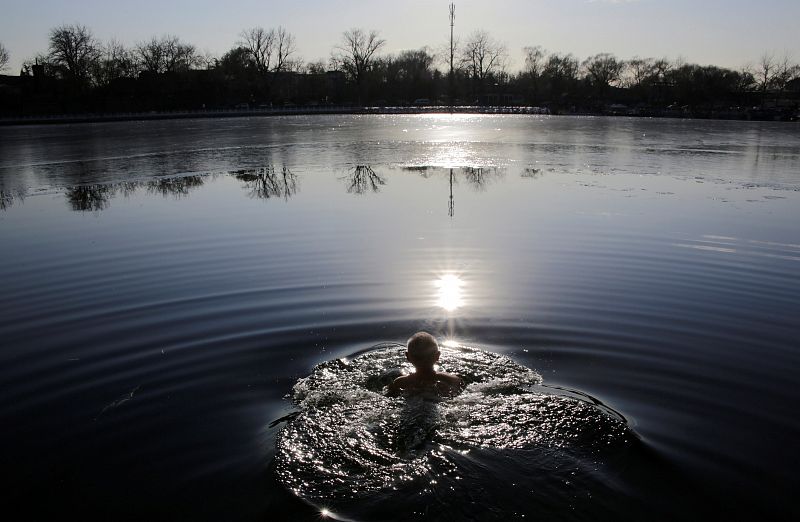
(350, 440)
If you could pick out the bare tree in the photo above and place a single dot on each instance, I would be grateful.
(115, 61)
(178, 55)
(661, 69)
(270, 50)
(284, 49)
(785, 71)
(483, 56)
(207, 60)
(764, 71)
(4, 57)
(534, 66)
(166, 54)
(561, 73)
(318, 67)
(415, 65)
(604, 70)
(640, 71)
(258, 43)
(150, 55)
(74, 50)
(746, 81)
(534, 60)
(356, 53)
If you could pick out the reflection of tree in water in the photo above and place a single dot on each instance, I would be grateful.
(478, 177)
(269, 182)
(424, 171)
(177, 187)
(363, 179)
(90, 198)
(7, 198)
(84, 198)
(531, 173)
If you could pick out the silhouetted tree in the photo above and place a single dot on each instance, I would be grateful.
(4, 57)
(534, 67)
(206, 60)
(785, 71)
(407, 76)
(270, 50)
(603, 71)
(236, 62)
(74, 51)
(482, 56)
(764, 74)
(561, 75)
(356, 55)
(166, 54)
(317, 67)
(79, 74)
(115, 61)
(640, 72)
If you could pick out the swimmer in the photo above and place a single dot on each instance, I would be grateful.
(423, 352)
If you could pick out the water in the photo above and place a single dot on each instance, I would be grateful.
(170, 287)
(350, 441)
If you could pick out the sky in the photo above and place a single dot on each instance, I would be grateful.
(729, 33)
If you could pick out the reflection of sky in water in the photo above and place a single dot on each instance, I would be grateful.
(609, 251)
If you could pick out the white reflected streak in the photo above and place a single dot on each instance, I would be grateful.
(734, 251)
(706, 247)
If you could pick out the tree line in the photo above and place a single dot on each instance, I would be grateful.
(79, 73)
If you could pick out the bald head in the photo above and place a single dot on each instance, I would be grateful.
(423, 349)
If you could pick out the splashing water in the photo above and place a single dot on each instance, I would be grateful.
(349, 441)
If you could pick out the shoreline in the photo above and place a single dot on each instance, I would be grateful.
(335, 110)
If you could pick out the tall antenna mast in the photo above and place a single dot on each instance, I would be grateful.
(452, 52)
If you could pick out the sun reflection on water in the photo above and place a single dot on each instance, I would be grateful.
(449, 295)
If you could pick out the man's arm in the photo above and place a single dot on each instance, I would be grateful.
(454, 381)
(395, 386)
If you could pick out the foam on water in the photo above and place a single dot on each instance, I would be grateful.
(349, 440)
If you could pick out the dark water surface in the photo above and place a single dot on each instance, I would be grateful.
(622, 294)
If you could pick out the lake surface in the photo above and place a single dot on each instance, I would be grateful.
(169, 288)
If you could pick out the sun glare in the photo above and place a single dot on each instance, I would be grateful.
(449, 292)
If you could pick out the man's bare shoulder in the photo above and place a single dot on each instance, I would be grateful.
(449, 378)
(411, 383)
(400, 383)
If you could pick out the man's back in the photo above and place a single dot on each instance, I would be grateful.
(442, 383)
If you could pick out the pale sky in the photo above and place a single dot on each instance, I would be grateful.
(730, 33)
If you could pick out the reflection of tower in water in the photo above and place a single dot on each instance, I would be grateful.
(451, 209)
